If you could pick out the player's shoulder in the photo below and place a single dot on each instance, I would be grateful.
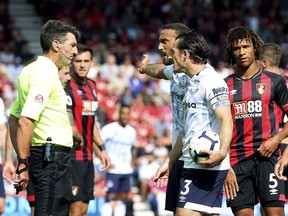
(91, 81)
(210, 76)
(131, 128)
(273, 76)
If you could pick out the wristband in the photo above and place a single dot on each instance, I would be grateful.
(102, 147)
(23, 160)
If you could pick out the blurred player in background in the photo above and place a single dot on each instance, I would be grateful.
(81, 106)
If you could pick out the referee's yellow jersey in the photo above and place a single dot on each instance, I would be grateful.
(41, 97)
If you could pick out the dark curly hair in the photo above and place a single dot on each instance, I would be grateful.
(240, 33)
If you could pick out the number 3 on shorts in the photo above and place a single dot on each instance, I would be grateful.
(186, 187)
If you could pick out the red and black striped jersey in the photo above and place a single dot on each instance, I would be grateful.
(254, 105)
(82, 102)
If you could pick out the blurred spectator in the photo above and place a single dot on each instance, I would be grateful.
(13, 70)
(109, 68)
(136, 83)
(7, 55)
(126, 98)
(94, 69)
(127, 67)
(26, 54)
(118, 83)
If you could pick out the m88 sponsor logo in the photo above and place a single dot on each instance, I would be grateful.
(247, 109)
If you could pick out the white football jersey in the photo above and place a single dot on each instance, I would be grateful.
(206, 92)
(178, 88)
(119, 142)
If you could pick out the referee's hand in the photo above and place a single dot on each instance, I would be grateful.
(21, 180)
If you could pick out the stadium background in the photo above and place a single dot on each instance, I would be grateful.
(120, 31)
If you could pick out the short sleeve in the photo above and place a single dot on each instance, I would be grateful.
(40, 87)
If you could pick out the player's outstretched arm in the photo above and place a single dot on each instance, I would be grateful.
(153, 70)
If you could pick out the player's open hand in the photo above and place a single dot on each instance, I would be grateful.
(279, 168)
(161, 176)
(215, 158)
(105, 160)
(230, 185)
(9, 171)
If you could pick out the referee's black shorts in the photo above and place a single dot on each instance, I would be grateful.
(51, 180)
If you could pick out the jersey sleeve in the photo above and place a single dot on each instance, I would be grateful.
(134, 136)
(40, 87)
(168, 71)
(69, 98)
(16, 109)
(281, 93)
(104, 132)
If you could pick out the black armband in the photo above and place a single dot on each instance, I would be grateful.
(102, 147)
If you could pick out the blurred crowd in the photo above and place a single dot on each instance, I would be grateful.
(120, 32)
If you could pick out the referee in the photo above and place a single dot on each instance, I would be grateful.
(40, 112)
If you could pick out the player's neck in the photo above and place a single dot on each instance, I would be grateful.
(196, 69)
(78, 79)
(275, 70)
(247, 72)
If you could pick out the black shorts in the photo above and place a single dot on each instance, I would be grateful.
(173, 186)
(31, 193)
(52, 181)
(257, 182)
(82, 181)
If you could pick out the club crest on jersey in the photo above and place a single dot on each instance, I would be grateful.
(261, 88)
(183, 81)
(75, 190)
(193, 88)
